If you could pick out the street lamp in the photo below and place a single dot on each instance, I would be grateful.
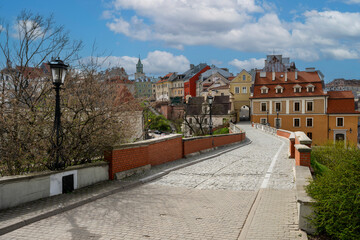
(210, 101)
(277, 119)
(58, 71)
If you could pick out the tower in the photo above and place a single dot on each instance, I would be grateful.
(139, 70)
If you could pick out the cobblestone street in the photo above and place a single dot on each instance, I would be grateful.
(246, 193)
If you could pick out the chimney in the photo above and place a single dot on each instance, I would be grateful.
(286, 76)
(192, 66)
(296, 75)
(273, 76)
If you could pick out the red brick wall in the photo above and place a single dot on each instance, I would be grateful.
(126, 159)
(197, 144)
(302, 158)
(161, 151)
(282, 133)
(223, 140)
(202, 143)
(165, 151)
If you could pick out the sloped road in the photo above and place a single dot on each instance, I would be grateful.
(247, 193)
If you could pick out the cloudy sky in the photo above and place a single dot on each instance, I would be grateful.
(237, 34)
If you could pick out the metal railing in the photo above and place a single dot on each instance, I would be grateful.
(234, 128)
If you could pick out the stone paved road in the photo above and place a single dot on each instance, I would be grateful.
(215, 199)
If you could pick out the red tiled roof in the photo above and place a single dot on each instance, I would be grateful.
(341, 102)
(230, 78)
(340, 94)
(304, 79)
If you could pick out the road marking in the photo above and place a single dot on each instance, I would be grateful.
(269, 171)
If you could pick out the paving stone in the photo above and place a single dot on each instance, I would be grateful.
(207, 200)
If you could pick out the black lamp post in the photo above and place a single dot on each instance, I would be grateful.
(277, 119)
(210, 101)
(58, 71)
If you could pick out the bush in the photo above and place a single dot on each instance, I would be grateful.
(337, 192)
(221, 131)
(160, 123)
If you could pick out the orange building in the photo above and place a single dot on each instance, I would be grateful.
(296, 101)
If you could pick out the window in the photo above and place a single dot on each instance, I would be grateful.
(339, 121)
(263, 120)
(244, 77)
(296, 106)
(264, 89)
(237, 90)
(244, 90)
(309, 134)
(309, 106)
(263, 107)
(310, 88)
(279, 89)
(309, 122)
(278, 107)
(297, 88)
(296, 122)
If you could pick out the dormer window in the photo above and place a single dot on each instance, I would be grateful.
(297, 88)
(279, 89)
(264, 90)
(310, 88)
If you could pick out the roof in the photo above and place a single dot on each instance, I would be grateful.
(220, 106)
(214, 70)
(192, 71)
(168, 77)
(340, 94)
(305, 79)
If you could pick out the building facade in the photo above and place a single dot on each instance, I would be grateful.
(240, 90)
(296, 101)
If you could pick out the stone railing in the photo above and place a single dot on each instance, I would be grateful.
(233, 128)
(265, 128)
(300, 144)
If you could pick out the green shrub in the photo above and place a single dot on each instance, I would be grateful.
(160, 123)
(337, 191)
(221, 131)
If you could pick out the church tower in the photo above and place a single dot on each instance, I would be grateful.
(139, 70)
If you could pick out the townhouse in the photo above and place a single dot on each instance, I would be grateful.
(240, 90)
(296, 101)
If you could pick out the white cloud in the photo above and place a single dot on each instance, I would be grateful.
(242, 25)
(156, 63)
(248, 64)
(32, 28)
(1, 28)
(352, 1)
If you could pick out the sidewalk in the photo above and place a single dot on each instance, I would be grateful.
(25, 214)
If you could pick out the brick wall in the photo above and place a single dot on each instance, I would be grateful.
(283, 133)
(165, 151)
(162, 150)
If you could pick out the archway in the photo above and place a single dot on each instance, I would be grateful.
(244, 114)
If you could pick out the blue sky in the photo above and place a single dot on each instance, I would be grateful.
(237, 34)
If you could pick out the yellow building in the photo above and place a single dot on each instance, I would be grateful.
(240, 90)
(296, 101)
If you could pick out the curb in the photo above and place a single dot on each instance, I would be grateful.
(54, 212)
